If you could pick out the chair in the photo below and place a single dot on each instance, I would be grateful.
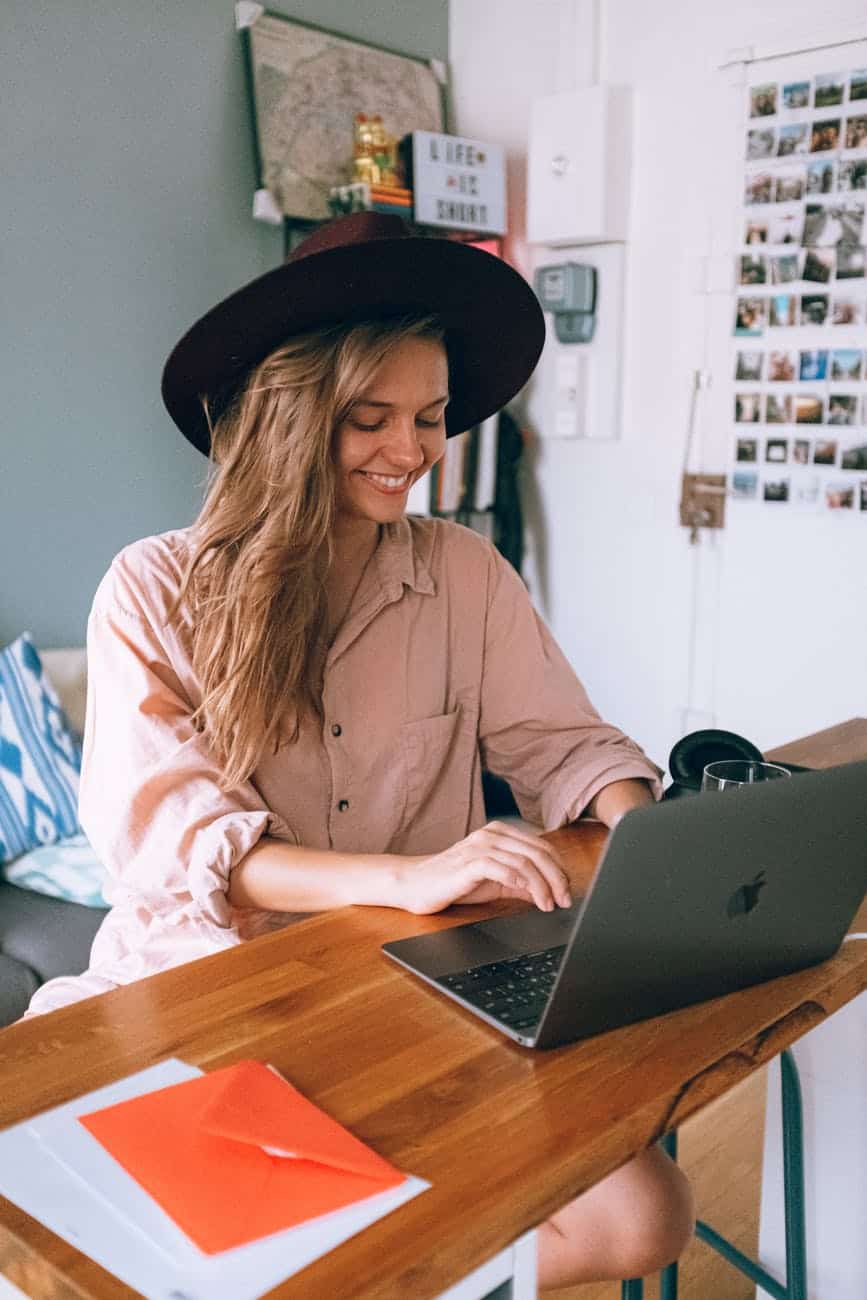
(795, 1287)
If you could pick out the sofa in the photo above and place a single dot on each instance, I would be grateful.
(41, 936)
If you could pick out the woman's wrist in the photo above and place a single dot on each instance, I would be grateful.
(617, 798)
(374, 879)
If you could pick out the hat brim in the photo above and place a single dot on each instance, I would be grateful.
(494, 324)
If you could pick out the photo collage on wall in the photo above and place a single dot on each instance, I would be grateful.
(800, 341)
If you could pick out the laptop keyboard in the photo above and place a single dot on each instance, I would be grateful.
(514, 991)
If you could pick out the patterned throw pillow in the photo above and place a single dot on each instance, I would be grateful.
(40, 756)
(69, 869)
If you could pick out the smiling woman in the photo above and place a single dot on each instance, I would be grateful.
(396, 429)
(291, 701)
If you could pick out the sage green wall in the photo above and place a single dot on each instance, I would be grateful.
(127, 181)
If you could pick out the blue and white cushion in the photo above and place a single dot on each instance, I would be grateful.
(40, 756)
(68, 869)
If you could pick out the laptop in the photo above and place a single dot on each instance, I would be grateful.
(691, 899)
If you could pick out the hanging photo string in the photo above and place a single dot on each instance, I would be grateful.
(800, 368)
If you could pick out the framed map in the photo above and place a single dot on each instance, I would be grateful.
(307, 84)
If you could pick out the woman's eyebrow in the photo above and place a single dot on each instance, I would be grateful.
(372, 401)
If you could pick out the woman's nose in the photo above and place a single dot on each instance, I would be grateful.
(404, 446)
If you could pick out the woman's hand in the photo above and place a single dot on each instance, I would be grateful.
(497, 861)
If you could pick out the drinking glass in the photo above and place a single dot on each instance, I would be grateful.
(735, 773)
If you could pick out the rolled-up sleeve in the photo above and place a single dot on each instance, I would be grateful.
(150, 802)
(537, 727)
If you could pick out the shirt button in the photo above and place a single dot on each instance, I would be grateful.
(336, 729)
(343, 805)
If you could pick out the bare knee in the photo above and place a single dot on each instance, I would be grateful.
(660, 1218)
(631, 1224)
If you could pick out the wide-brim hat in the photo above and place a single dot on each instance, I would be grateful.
(364, 266)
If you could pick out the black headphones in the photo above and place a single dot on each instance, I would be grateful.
(692, 753)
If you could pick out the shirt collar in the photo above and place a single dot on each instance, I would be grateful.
(403, 559)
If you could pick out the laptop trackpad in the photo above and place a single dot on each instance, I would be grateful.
(532, 931)
(465, 946)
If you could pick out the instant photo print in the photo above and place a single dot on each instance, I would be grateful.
(829, 89)
(763, 100)
(759, 188)
(776, 490)
(785, 269)
(753, 270)
(856, 132)
(793, 139)
(750, 316)
(820, 177)
(809, 409)
(825, 135)
(745, 485)
(852, 175)
(783, 310)
(819, 264)
(813, 365)
(749, 366)
(825, 451)
(854, 456)
(748, 408)
(814, 308)
(797, 94)
(850, 262)
(846, 364)
(756, 231)
(842, 408)
(778, 408)
(805, 491)
(782, 367)
(761, 144)
(848, 309)
(840, 496)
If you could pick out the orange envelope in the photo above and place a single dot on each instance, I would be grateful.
(238, 1154)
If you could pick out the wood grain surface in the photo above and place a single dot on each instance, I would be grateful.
(505, 1135)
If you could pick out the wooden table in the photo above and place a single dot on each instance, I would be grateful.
(505, 1135)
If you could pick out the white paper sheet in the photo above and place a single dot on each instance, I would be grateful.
(59, 1174)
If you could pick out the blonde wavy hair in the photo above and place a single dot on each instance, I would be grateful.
(262, 542)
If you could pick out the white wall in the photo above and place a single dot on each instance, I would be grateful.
(760, 629)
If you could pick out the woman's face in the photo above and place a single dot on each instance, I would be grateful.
(394, 432)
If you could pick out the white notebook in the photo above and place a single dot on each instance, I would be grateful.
(58, 1173)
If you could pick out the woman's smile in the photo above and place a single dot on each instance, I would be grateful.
(390, 483)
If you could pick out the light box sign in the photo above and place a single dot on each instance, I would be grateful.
(458, 183)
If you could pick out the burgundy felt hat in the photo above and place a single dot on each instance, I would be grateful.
(367, 265)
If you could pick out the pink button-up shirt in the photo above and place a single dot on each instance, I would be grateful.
(441, 666)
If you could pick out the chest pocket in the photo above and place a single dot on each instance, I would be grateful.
(438, 760)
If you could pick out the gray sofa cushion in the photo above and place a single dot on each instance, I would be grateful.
(17, 986)
(50, 935)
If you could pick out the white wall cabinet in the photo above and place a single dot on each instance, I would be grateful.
(579, 166)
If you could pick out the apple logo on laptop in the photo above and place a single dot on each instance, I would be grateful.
(743, 900)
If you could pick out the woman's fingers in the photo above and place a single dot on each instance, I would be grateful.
(524, 883)
(526, 875)
(544, 858)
